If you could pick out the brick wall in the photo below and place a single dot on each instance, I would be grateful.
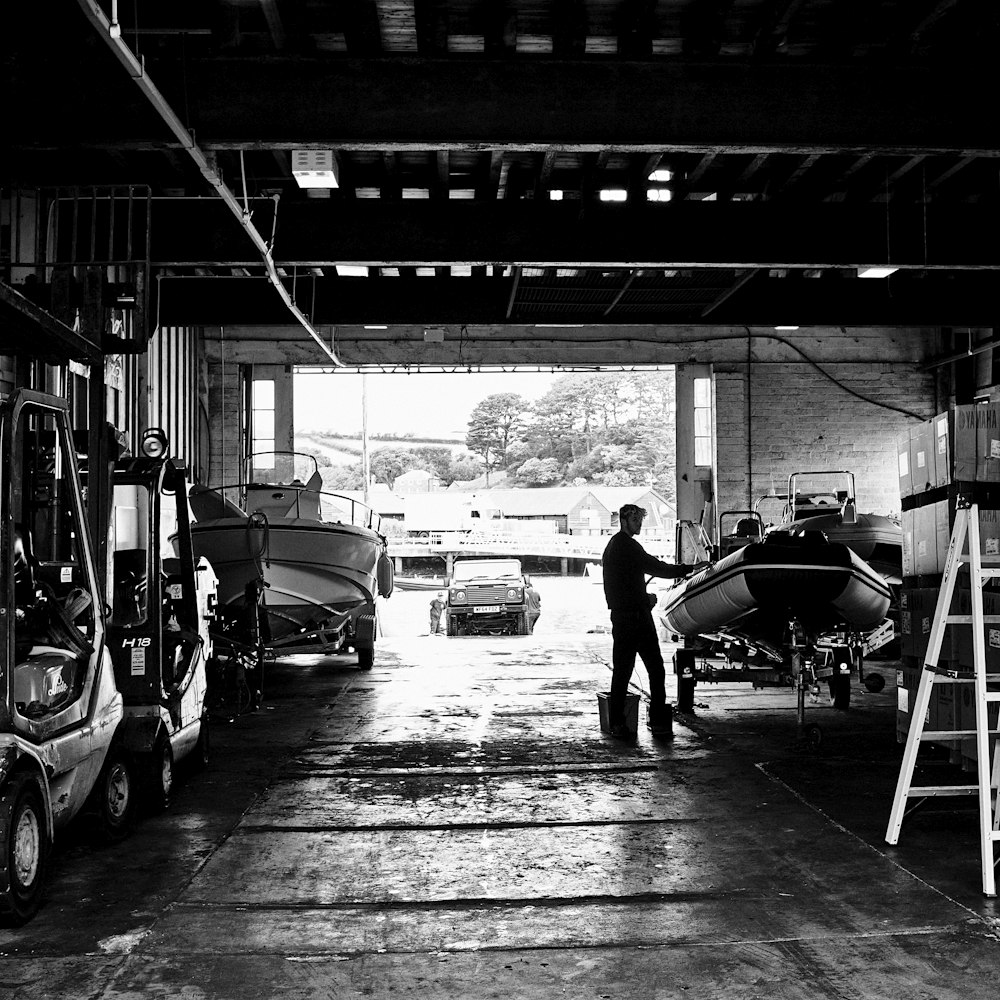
(801, 421)
(225, 424)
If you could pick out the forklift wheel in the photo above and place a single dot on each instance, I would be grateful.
(25, 848)
(874, 683)
(161, 775)
(113, 802)
(200, 756)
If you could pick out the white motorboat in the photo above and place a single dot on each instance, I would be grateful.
(316, 561)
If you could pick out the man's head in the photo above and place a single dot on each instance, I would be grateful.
(630, 517)
(441, 593)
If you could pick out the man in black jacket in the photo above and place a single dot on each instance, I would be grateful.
(626, 566)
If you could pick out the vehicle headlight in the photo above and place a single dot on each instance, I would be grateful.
(513, 594)
(458, 597)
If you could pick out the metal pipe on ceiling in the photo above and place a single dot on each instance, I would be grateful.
(111, 33)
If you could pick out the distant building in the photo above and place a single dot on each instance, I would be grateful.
(417, 481)
(387, 505)
(575, 510)
(661, 515)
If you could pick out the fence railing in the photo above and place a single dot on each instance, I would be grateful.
(567, 546)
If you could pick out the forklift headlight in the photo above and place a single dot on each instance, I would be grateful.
(154, 443)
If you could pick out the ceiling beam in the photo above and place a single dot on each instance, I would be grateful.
(531, 105)
(187, 232)
(433, 301)
(526, 345)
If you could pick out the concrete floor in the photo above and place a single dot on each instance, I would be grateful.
(454, 824)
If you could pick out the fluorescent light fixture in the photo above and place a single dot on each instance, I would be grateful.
(352, 270)
(659, 194)
(876, 272)
(660, 174)
(376, 327)
(613, 194)
(555, 195)
(786, 328)
(315, 168)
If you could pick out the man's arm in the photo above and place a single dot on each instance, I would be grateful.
(657, 567)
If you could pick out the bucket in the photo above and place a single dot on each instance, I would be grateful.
(631, 712)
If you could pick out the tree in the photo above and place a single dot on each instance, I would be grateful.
(343, 477)
(464, 469)
(538, 472)
(492, 425)
(388, 463)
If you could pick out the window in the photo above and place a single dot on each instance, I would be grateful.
(262, 404)
(703, 421)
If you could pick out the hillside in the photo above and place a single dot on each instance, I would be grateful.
(342, 449)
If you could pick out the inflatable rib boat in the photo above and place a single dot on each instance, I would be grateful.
(789, 575)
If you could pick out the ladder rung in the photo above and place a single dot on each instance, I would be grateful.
(984, 560)
(967, 619)
(954, 675)
(947, 734)
(930, 791)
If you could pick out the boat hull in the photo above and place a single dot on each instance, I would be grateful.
(877, 539)
(762, 586)
(311, 570)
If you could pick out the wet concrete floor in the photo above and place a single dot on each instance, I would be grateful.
(454, 823)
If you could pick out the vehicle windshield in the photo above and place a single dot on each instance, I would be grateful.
(498, 569)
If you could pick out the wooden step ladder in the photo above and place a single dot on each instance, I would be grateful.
(981, 569)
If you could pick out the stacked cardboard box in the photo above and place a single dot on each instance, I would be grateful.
(952, 457)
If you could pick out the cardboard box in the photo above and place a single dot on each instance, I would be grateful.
(975, 442)
(909, 556)
(922, 474)
(925, 541)
(991, 633)
(963, 442)
(903, 461)
(906, 618)
(923, 604)
(942, 449)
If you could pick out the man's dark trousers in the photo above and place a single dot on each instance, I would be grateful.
(635, 632)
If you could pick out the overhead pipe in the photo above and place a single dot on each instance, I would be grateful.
(110, 31)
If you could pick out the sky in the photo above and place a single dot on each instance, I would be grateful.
(433, 404)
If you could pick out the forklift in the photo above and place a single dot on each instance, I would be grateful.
(62, 746)
(162, 601)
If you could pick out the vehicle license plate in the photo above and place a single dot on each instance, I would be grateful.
(486, 608)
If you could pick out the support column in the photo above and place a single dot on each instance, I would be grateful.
(449, 564)
(564, 566)
(397, 562)
(695, 472)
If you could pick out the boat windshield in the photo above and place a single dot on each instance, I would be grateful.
(494, 569)
(285, 468)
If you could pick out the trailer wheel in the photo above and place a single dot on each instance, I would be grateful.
(25, 849)
(366, 659)
(114, 796)
(840, 691)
